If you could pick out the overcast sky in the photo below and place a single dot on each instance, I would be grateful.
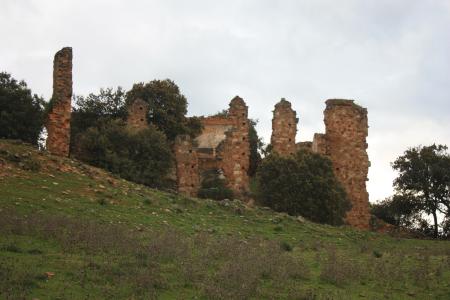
(391, 56)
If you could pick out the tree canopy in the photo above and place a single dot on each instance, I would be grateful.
(302, 184)
(424, 178)
(168, 107)
(21, 112)
(94, 109)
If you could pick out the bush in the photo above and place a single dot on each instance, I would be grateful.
(91, 111)
(214, 187)
(303, 184)
(21, 113)
(140, 156)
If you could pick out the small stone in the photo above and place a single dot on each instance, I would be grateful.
(301, 219)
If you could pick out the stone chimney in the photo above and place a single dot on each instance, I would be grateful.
(58, 122)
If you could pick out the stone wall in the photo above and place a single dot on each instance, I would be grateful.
(186, 166)
(319, 143)
(235, 151)
(137, 115)
(284, 128)
(346, 131)
(58, 122)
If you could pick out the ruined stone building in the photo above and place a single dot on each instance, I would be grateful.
(344, 142)
(224, 143)
(58, 121)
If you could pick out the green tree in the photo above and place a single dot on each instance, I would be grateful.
(168, 107)
(95, 109)
(142, 156)
(398, 210)
(256, 146)
(424, 176)
(303, 184)
(21, 113)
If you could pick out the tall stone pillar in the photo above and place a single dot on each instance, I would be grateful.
(284, 128)
(58, 122)
(236, 152)
(345, 137)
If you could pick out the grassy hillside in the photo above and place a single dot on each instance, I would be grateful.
(70, 231)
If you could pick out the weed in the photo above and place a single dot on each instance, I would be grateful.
(285, 246)
(12, 248)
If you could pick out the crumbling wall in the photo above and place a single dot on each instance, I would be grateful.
(284, 128)
(58, 121)
(319, 144)
(186, 165)
(346, 131)
(137, 115)
(235, 150)
(303, 145)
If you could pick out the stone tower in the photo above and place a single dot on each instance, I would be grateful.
(58, 122)
(137, 114)
(235, 154)
(345, 139)
(284, 128)
(186, 158)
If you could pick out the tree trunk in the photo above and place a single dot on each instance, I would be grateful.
(436, 231)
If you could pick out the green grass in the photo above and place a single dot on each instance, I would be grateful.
(106, 238)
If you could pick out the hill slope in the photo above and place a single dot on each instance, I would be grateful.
(70, 231)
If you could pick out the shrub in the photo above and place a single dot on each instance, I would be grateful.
(21, 113)
(214, 187)
(141, 156)
(94, 109)
(302, 184)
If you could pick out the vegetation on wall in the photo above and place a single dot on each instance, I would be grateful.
(21, 112)
(302, 184)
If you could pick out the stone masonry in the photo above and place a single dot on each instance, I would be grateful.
(284, 128)
(345, 144)
(137, 114)
(58, 122)
(235, 154)
(186, 166)
(319, 144)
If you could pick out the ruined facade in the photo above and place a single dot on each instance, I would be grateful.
(224, 142)
(344, 142)
(222, 146)
(284, 128)
(137, 115)
(58, 122)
